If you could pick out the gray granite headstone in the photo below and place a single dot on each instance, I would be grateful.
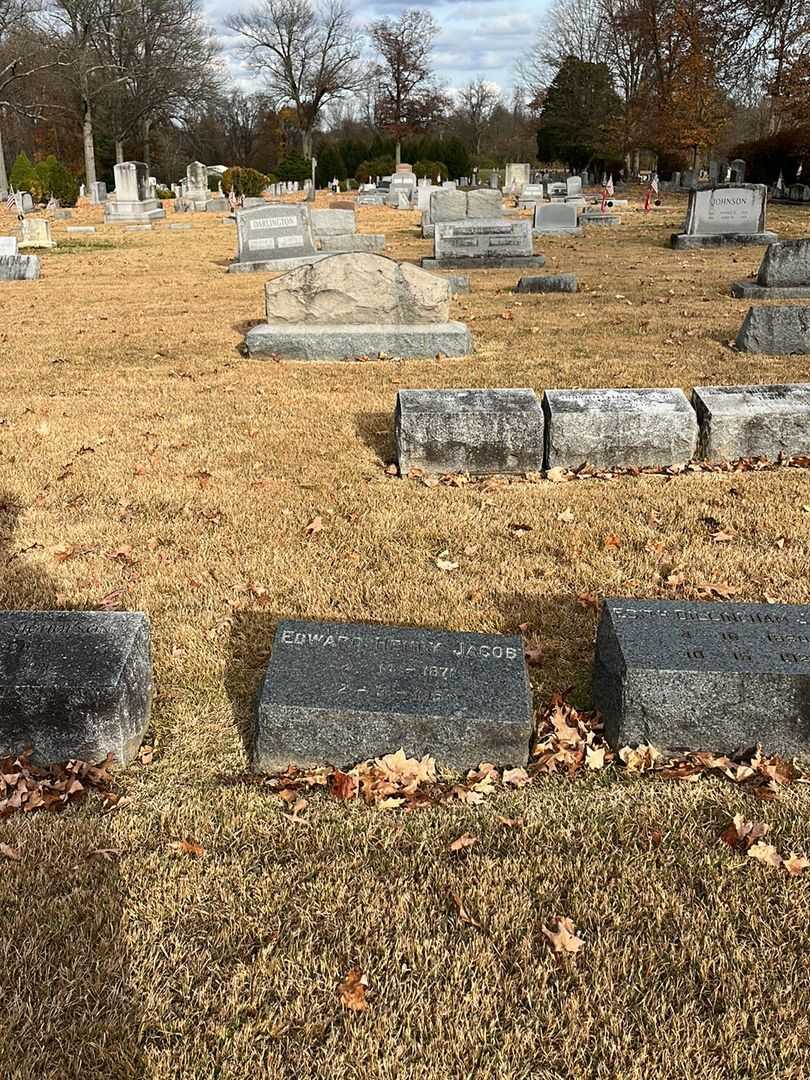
(778, 330)
(547, 283)
(725, 214)
(19, 267)
(784, 273)
(471, 431)
(618, 428)
(704, 676)
(74, 684)
(339, 693)
(274, 236)
(752, 421)
(557, 218)
(481, 243)
(8, 245)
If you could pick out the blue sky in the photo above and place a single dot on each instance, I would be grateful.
(479, 38)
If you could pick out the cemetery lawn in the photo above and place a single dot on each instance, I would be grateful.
(145, 464)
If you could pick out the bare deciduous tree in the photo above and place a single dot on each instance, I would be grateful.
(406, 97)
(308, 55)
(477, 103)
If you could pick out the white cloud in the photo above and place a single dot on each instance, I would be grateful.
(478, 38)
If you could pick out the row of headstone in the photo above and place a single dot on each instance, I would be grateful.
(448, 204)
(725, 214)
(680, 675)
(351, 306)
(558, 191)
(480, 244)
(507, 431)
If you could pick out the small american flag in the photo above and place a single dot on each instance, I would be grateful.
(11, 201)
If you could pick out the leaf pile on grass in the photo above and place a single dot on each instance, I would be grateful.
(748, 837)
(586, 471)
(26, 787)
(568, 742)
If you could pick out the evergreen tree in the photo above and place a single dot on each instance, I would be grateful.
(22, 173)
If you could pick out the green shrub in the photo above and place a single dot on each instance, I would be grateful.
(50, 178)
(294, 167)
(431, 169)
(163, 193)
(22, 173)
(368, 171)
(244, 181)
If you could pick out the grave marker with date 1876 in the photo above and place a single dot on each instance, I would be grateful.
(74, 684)
(339, 693)
(703, 676)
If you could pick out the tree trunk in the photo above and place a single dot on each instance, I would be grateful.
(119, 151)
(306, 144)
(398, 158)
(3, 175)
(147, 144)
(636, 162)
(89, 148)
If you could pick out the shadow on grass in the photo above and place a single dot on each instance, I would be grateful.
(564, 629)
(69, 1005)
(376, 429)
(22, 585)
(249, 646)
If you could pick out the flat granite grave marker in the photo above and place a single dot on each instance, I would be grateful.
(784, 273)
(703, 676)
(752, 421)
(478, 243)
(471, 431)
(618, 428)
(778, 330)
(19, 267)
(339, 693)
(81, 229)
(556, 218)
(547, 283)
(720, 215)
(274, 238)
(356, 306)
(74, 684)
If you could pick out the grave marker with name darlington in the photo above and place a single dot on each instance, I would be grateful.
(702, 676)
(274, 238)
(339, 693)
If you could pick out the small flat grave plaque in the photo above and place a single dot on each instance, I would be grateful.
(703, 676)
(339, 693)
(471, 431)
(74, 684)
(619, 428)
(753, 421)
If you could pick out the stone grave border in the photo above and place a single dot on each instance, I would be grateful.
(762, 436)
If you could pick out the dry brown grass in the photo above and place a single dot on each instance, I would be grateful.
(122, 387)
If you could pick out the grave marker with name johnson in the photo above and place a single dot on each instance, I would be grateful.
(725, 214)
(702, 676)
(74, 684)
(339, 693)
